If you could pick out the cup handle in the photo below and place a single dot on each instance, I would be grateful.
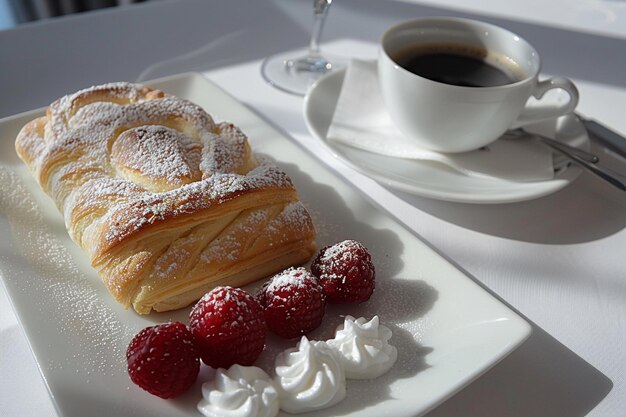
(548, 111)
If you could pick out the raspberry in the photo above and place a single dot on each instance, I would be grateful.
(229, 327)
(163, 359)
(345, 271)
(294, 303)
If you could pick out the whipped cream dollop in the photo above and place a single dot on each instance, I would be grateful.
(309, 377)
(240, 391)
(363, 347)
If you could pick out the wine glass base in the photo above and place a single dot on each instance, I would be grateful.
(295, 72)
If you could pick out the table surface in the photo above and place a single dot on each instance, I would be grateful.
(556, 260)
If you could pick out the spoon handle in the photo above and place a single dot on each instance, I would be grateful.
(614, 178)
(606, 136)
(582, 154)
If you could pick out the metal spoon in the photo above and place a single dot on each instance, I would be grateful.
(614, 178)
(556, 145)
(583, 158)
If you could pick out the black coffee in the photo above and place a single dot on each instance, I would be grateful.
(463, 66)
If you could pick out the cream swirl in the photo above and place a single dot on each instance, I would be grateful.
(363, 347)
(240, 391)
(309, 377)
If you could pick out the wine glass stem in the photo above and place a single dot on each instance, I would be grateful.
(320, 8)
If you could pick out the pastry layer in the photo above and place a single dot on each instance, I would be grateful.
(165, 202)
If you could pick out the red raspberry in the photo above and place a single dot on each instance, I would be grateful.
(346, 272)
(229, 327)
(294, 303)
(163, 359)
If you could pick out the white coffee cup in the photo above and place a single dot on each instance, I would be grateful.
(456, 118)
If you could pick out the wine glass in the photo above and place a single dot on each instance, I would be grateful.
(295, 75)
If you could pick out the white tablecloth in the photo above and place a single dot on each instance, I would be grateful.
(557, 260)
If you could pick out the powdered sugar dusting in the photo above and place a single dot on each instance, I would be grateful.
(292, 277)
(294, 216)
(168, 148)
(173, 157)
(339, 250)
(222, 295)
(122, 159)
(233, 305)
(122, 220)
(228, 154)
(68, 302)
(228, 246)
(342, 256)
(163, 158)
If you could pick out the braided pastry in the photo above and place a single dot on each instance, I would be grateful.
(166, 203)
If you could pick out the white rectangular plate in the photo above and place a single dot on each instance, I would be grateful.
(448, 330)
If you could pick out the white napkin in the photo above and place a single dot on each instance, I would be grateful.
(361, 121)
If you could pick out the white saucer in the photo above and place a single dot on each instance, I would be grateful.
(431, 179)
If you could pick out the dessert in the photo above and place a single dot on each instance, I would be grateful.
(346, 272)
(228, 331)
(228, 326)
(364, 348)
(166, 202)
(309, 377)
(294, 303)
(163, 359)
(240, 391)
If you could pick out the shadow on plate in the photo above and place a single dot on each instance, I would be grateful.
(541, 378)
(396, 300)
(594, 210)
(335, 222)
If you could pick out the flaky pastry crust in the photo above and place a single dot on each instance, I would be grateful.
(165, 202)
